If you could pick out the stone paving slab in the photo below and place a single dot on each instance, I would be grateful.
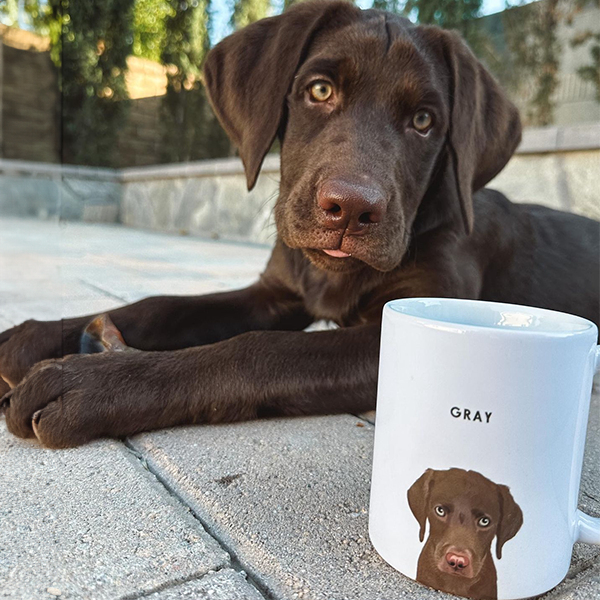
(584, 586)
(289, 499)
(91, 523)
(49, 269)
(224, 585)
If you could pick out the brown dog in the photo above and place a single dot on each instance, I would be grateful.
(387, 131)
(465, 511)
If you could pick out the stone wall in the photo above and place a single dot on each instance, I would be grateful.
(562, 180)
(206, 198)
(30, 104)
(140, 141)
(46, 191)
(557, 167)
(29, 100)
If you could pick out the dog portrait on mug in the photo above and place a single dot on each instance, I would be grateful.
(465, 511)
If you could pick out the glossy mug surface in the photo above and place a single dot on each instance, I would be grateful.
(481, 419)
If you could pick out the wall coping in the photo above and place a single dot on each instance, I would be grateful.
(535, 141)
(584, 136)
(201, 168)
(49, 170)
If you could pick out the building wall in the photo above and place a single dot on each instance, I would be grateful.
(575, 99)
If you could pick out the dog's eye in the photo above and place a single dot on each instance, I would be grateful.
(483, 522)
(440, 511)
(321, 91)
(422, 121)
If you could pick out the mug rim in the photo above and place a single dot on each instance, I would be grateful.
(570, 325)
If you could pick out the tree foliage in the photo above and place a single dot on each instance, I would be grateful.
(191, 131)
(450, 14)
(591, 71)
(534, 53)
(186, 40)
(248, 11)
(459, 15)
(91, 40)
(95, 41)
(395, 6)
(9, 9)
(149, 28)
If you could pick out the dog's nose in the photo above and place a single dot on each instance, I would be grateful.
(350, 205)
(456, 560)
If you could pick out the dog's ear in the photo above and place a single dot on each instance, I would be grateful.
(511, 518)
(248, 75)
(418, 499)
(484, 126)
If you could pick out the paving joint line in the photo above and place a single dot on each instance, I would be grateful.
(363, 419)
(101, 290)
(171, 584)
(580, 569)
(235, 562)
(570, 582)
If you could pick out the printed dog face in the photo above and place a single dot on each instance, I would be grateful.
(465, 511)
(386, 128)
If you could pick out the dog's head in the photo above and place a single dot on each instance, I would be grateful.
(465, 511)
(386, 128)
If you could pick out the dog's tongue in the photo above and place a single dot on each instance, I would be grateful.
(337, 253)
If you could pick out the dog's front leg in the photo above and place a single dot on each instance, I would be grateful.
(158, 323)
(75, 399)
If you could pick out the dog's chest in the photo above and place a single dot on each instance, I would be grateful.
(333, 305)
(348, 299)
(332, 299)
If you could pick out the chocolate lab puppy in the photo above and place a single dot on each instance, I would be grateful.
(465, 511)
(388, 133)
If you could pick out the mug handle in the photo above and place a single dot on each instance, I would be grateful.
(589, 527)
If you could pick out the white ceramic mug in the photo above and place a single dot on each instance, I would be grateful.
(481, 420)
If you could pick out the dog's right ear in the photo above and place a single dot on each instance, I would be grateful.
(418, 499)
(248, 75)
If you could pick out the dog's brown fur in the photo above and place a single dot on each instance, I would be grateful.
(463, 498)
(435, 235)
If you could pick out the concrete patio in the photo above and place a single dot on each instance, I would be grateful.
(261, 510)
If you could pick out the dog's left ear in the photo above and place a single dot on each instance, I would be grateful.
(511, 518)
(418, 499)
(484, 129)
(249, 74)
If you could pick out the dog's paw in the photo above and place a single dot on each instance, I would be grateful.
(27, 344)
(70, 401)
(24, 404)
